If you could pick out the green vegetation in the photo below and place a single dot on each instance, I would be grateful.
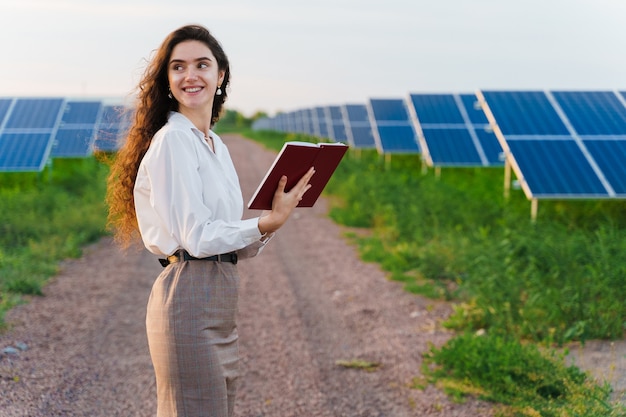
(530, 382)
(456, 238)
(233, 121)
(44, 218)
(49, 216)
(523, 286)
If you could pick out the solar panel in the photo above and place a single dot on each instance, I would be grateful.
(113, 122)
(610, 156)
(298, 121)
(278, 123)
(454, 131)
(358, 128)
(73, 143)
(81, 113)
(26, 132)
(5, 104)
(34, 129)
(76, 133)
(321, 124)
(391, 126)
(34, 113)
(556, 177)
(307, 118)
(524, 113)
(336, 127)
(593, 112)
(24, 151)
(562, 144)
(290, 122)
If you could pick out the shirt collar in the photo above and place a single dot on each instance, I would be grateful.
(179, 120)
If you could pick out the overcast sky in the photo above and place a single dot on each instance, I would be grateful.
(290, 54)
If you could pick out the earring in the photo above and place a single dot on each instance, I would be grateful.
(169, 93)
(219, 91)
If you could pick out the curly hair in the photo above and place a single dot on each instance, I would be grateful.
(150, 114)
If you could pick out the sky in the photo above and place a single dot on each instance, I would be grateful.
(290, 54)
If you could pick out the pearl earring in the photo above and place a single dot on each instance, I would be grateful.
(169, 92)
(219, 91)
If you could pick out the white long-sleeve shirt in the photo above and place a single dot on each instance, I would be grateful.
(188, 197)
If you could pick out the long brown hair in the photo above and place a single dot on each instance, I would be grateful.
(150, 114)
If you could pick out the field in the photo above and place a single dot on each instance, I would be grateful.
(455, 237)
(452, 237)
(44, 218)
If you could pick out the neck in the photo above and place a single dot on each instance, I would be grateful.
(199, 119)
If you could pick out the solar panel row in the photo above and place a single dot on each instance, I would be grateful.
(32, 130)
(450, 130)
(560, 144)
(383, 124)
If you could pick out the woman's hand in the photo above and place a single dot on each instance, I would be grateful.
(284, 203)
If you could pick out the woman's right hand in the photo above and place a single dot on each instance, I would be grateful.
(284, 203)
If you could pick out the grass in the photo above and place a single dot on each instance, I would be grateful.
(528, 380)
(527, 287)
(44, 218)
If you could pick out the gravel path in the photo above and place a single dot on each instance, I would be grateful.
(306, 303)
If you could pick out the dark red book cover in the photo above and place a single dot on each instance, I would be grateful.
(294, 160)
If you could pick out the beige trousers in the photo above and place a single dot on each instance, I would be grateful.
(192, 337)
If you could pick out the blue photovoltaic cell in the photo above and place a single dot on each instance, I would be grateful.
(113, 121)
(5, 103)
(297, 122)
(455, 146)
(389, 110)
(610, 156)
(362, 137)
(24, 151)
(474, 110)
(436, 109)
(111, 115)
(337, 128)
(555, 168)
(301, 121)
(81, 112)
(76, 133)
(453, 131)
(73, 143)
(279, 123)
(34, 113)
(309, 127)
(593, 112)
(524, 113)
(34, 129)
(398, 139)
(356, 113)
(579, 156)
(290, 122)
(395, 130)
(491, 147)
(322, 127)
(357, 124)
(107, 139)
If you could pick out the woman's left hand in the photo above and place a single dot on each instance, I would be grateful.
(284, 203)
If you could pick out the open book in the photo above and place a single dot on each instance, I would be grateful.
(294, 160)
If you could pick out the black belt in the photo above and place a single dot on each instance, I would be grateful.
(182, 255)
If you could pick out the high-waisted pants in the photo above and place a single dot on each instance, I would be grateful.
(192, 337)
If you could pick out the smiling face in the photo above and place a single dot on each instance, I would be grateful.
(194, 77)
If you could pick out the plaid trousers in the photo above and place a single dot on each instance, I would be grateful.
(192, 336)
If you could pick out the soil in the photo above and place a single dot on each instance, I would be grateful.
(307, 303)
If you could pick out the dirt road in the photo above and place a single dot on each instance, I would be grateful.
(306, 303)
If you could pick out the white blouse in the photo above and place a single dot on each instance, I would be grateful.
(188, 197)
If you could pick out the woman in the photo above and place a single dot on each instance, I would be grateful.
(173, 182)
